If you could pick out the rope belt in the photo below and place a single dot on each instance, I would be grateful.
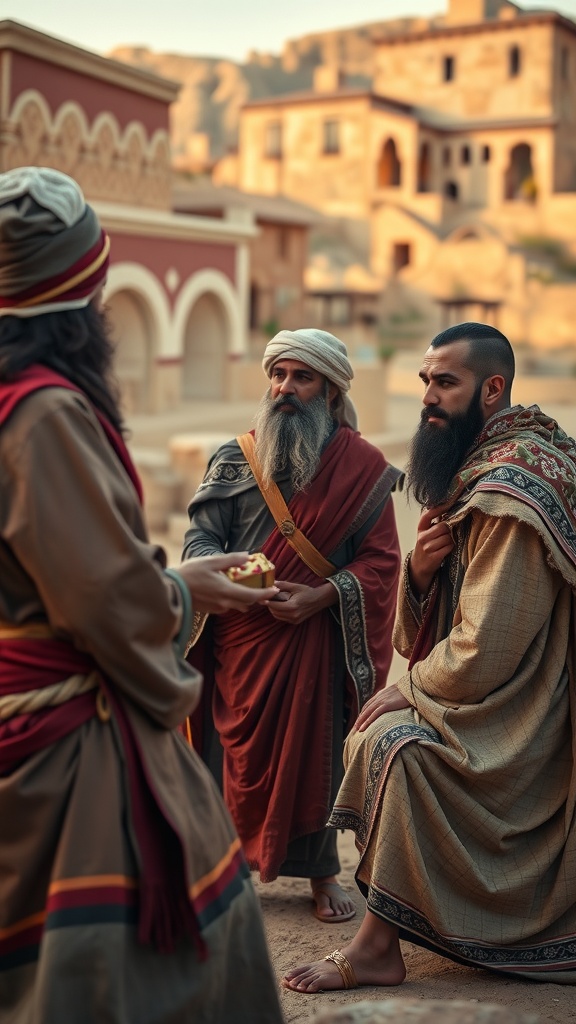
(48, 696)
(54, 694)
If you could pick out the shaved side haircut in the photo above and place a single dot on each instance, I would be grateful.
(490, 351)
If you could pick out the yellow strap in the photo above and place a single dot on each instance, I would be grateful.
(279, 509)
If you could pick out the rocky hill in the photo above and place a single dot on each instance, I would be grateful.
(205, 117)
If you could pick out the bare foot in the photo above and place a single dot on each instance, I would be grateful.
(333, 904)
(371, 967)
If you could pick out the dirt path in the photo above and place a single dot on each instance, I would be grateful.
(295, 937)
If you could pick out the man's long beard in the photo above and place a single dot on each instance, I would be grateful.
(292, 441)
(437, 452)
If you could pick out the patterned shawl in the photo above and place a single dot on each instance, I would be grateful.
(523, 453)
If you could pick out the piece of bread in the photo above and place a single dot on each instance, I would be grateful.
(257, 571)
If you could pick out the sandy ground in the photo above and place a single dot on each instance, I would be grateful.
(296, 937)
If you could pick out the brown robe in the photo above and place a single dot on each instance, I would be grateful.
(74, 553)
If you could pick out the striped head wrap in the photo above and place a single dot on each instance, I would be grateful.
(321, 351)
(53, 253)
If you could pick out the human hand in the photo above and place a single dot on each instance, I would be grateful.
(388, 699)
(211, 590)
(433, 543)
(297, 602)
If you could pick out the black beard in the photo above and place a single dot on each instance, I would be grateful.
(437, 452)
(292, 441)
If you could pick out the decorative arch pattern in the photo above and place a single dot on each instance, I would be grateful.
(111, 164)
(210, 281)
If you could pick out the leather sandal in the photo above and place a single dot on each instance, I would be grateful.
(325, 890)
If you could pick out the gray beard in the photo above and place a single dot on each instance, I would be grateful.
(292, 441)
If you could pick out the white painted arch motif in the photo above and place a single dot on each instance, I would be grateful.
(216, 283)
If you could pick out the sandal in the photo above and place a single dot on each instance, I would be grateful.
(335, 918)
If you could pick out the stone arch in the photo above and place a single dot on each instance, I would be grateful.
(105, 138)
(208, 325)
(389, 168)
(140, 318)
(33, 118)
(134, 146)
(159, 151)
(71, 132)
(519, 181)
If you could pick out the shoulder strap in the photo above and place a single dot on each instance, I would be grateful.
(279, 509)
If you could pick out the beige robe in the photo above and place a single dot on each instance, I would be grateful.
(463, 805)
(74, 553)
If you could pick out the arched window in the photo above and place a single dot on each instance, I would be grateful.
(389, 166)
(446, 156)
(514, 61)
(451, 190)
(519, 180)
(465, 155)
(331, 137)
(448, 68)
(273, 140)
(485, 154)
(424, 168)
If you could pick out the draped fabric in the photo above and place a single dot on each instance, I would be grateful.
(273, 694)
(165, 910)
(35, 377)
(115, 843)
(464, 804)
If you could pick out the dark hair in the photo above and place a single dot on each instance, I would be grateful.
(490, 350)
(75, 343)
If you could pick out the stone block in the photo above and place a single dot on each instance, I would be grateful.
(425, 1011)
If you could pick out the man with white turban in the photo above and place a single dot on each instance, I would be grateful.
(284, 683)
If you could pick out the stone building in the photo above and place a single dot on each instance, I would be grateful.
(461, 158)
(278, 252)
(178, 285)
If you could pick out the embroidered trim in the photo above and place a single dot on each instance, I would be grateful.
(226, 473)
(384, 750)
(379, 492)
(353, 620)
(559, 954)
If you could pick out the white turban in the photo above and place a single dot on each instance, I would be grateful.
(321, 351)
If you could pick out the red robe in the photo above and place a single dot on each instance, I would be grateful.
(272, 701)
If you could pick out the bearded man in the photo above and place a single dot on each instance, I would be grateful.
(288, 682)
(460, 779)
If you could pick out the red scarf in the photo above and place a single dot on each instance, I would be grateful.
(165, 913)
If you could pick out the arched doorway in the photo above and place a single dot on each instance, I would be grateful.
(132, 334)
(389, 166)
(519, 181)
(205, 349)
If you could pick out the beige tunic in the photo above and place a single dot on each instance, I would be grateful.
(74, 552)
(464, 807)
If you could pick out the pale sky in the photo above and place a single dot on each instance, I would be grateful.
(222, 28)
